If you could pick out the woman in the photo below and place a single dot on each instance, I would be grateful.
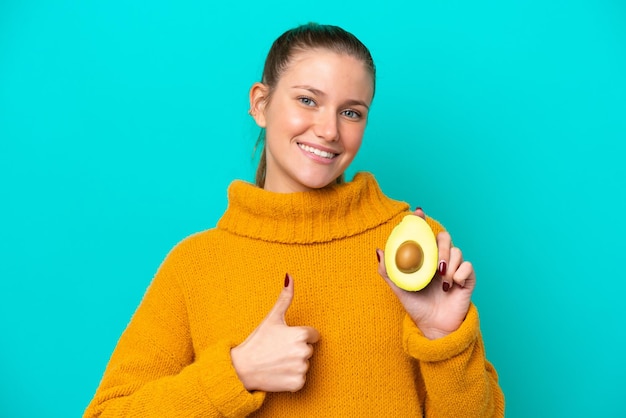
(212, 336)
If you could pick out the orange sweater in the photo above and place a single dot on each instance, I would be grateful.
(215, 287)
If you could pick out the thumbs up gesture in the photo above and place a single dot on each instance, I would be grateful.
(275, 356)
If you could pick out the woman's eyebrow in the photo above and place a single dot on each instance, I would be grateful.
(317, 92)
(311, 89)
(354, 102)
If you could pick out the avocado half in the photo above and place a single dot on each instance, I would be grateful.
(411, 254)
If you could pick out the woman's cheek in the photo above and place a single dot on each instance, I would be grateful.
(296, 119)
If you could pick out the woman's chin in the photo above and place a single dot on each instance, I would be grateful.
(318, 182)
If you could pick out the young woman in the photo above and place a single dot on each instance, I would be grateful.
(215, 335)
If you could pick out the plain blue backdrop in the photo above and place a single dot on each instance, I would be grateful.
(123, 122)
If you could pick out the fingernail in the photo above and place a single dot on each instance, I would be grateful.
(286, 279)
(442, 267)
(446, 286)
(378, 256)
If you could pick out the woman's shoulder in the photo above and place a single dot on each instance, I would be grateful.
(197, 244)
(369, 178)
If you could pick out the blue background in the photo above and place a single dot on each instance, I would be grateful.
(123, 122)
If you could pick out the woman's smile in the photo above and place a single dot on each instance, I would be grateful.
(318, 154)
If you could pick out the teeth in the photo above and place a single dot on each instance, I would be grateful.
(316, 151)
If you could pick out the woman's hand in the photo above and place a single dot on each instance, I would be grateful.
(275, 357)
(440, 307)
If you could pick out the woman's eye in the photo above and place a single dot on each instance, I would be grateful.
(352, 114)
(307, 101)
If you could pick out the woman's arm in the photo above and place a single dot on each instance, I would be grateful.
(441, 331)
(154, 370)
(458, 379)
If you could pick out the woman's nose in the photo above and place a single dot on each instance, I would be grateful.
(326, 126)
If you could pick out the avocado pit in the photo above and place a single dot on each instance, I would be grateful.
(409, 257)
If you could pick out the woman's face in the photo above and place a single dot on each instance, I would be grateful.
(314, 120)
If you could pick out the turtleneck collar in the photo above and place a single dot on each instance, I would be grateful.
(322, 215)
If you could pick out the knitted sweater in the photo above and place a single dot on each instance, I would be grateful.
(215, 287)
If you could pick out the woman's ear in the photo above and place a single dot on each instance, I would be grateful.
(258, 100)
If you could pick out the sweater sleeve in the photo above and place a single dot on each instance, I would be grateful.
(154, 370)
(458, 379)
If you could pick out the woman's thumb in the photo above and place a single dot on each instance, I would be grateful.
(277, 314)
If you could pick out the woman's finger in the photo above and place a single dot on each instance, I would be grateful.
(419, 212)
(455, 260)
(464, 276)
(444, 243)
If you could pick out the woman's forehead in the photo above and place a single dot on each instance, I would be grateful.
(326, 67)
